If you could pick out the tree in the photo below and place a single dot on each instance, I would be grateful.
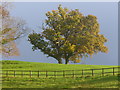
(69, 35)
(11, 29)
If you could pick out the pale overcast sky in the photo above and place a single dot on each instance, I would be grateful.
(34, 14)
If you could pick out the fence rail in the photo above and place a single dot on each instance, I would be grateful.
(64, 73)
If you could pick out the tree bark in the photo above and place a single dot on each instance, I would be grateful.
(66, 61)
(60, 61)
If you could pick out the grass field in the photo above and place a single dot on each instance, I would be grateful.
(91, 82)
(21, 65)
(35, 82)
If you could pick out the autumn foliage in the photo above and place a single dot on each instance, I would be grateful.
(11, 29)
(69, 35)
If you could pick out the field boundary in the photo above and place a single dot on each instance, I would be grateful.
(62, 73)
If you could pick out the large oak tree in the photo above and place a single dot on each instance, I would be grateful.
(69, 35)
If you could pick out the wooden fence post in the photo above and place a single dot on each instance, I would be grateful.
(54, 73)
(38, 73)
(22, 73)
(14, 73)
(46, 74)
(92, 72)
(73, 73)
(7, 73)
(63, 73)
(113, 71)
(82, 73)
(102, 71)
(30, 73)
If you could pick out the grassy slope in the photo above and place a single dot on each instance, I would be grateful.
(89, 82)
(21, 65)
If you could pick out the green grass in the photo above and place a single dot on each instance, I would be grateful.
(91, 82)
(51, 82)
(22, 65)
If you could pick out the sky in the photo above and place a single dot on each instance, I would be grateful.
(34, 14)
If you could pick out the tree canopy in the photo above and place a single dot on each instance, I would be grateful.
(11, 29)
(69, 35)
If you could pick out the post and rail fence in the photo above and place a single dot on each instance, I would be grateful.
(64, 73)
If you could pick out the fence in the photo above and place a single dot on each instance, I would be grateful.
(64, 73)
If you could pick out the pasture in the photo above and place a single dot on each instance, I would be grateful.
(73, 77)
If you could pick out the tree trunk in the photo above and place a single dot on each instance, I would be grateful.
(66, 61)
(60, 61)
